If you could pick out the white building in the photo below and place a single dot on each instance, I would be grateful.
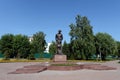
(47, 47)
(30, 39)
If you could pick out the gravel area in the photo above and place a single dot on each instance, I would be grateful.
(84, 74)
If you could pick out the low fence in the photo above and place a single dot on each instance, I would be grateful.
(42, 55)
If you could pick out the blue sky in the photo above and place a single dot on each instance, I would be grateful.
(30, 16)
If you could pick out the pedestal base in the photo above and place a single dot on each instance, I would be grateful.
(60, 58)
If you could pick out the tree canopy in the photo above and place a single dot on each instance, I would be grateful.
(83, 43)
(21, 46)
(105, 44)
(52, 48)
(6, 44)
(38, 42)
(82, 38)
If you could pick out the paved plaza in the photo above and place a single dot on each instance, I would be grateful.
(83, 74)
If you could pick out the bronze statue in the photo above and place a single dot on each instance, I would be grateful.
(59, 38)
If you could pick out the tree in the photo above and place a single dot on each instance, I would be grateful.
(82, 38)
(21, 46)
(118, 48)
(38, 42)
(66, 50)
(105, 45)
(0, 47)
(52, 48)
(6, 43)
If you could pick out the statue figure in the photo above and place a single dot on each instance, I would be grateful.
(59, 38)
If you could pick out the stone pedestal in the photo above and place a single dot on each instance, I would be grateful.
(60, 58)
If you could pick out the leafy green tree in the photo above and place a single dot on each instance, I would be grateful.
(66, 50)
(105, 45)
(38, 43)
(52, 48)
(118, 48)
(82, 38)
(0, 46)
(21, 46)
(6, 44)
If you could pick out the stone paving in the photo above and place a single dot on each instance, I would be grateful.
(83, 74)
(39, 68)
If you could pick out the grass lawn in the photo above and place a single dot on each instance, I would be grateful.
(44, 60)
(23, 60)
(67, 64)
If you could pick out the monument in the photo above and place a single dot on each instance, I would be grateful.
(59, 56)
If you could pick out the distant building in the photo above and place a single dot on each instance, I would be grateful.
(30, 39)
(47, 47)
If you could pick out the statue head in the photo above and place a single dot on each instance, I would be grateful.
(59, 31)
